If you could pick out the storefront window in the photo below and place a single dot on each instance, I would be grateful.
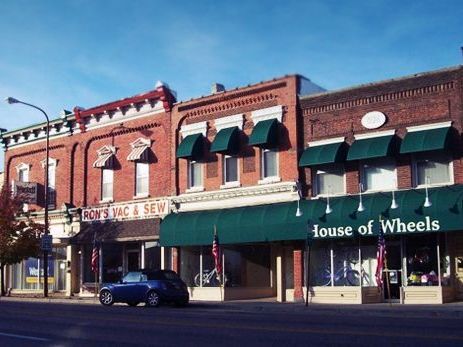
(444, 260)
(368, 249)
(112, 263)
(346, 263)
(189, 264)
(289, 267)
(421, 251)
(152, 255)
(320, 263)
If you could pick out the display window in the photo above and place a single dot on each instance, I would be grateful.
(422, 260)
(243, 266)
(329, 180)
(343, 263)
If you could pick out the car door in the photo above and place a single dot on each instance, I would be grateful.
(127, 290)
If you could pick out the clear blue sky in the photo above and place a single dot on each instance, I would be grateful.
(59, 54)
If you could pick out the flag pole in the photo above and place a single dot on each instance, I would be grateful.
(386, 270)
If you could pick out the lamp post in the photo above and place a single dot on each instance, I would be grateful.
(11, 100)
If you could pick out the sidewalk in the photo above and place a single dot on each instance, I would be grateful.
(450, 310)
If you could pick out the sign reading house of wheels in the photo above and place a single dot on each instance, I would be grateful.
(146, 209)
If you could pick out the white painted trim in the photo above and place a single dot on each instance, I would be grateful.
(268, 180)
(141, 141)
(141, 196)
(192, 129)
(275, 112)
(429, 126)
(326, 142)
(374, 134)
(195, 189)
(229, 185)
(28, 143)
(236, 120)
(51, 161)
(22, 166)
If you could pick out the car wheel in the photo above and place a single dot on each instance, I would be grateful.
(153, 299)
(106, 298)
(133, 303)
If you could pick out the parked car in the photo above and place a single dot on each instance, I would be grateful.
(150, 287)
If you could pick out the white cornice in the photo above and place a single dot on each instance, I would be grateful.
(275, 112)
(326, 142)
(374, 134)
(229, 122)
(51, 161)
(236, 197)
(429, 126)
(192, 129)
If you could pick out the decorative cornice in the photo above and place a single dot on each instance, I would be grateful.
(429, 126)
(275, 112)
(218, 195)
(386, 97)
(194, 128)
(229, 122)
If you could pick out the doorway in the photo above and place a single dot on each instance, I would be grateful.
(392, 273)
(133, 260)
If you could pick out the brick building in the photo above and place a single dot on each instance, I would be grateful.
(385, 156)
(109, 176)
(235, 172)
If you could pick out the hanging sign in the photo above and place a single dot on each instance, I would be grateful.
(26, 191)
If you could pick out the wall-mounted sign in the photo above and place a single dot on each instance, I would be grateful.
(373, 120)
(26, 191)
(389, 226)
(135, 210)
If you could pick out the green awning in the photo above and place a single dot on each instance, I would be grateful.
(263, 223)
(191, 146)
(226, 141)
(445, 213)
(325, 154)
(371, 148)
(425, 140)
(265, 134)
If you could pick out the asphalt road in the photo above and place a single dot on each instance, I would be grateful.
(25, 323)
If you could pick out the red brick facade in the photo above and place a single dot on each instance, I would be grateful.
(240, 101)
(422, 99)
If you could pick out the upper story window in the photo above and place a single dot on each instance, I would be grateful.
(379, 174)
(23, 172)
(432, 168)
(195, 174)
(230, 170)
(107, 182)
(269, 164)
(329, 180)
(52, 165)
(142, 179)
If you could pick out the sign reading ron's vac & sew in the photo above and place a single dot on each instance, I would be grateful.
(371, 228)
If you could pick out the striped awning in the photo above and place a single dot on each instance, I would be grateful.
(137, 153)
(102, 160)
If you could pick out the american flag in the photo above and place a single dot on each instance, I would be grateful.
(216, 252)
(95, 255)
(380, 258)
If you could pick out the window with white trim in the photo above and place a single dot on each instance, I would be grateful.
(107, 182)
(329, 180)
(432, 168)
(230, 169)
(379, 174)
(269, 163)
(142, 179)
(23, 174)
(195, 174)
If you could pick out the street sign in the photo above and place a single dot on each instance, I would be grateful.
(47, 242)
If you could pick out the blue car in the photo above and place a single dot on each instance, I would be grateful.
(150, 287)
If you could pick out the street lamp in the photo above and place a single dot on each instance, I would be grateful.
(11, 100)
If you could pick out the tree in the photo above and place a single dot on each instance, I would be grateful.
(19, 234)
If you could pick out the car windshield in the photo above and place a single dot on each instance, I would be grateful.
(131, 277)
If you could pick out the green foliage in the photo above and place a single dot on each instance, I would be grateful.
(19, 235)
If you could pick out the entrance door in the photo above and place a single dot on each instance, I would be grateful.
(133, 260)
(392, 276)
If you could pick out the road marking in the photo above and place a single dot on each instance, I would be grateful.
(33, 338)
